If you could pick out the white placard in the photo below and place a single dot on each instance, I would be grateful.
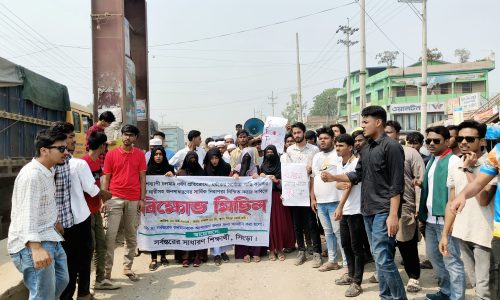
(295, 185)
(274, 133)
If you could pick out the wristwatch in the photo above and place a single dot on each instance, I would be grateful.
(468, 169)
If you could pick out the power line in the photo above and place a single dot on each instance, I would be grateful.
(254, 28)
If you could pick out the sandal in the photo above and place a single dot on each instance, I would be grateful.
(185, 263)
(281, 256)
(164, 261)
(153, 265)
(256, 259)
(246, 258)
(131, 275)
(272, 256)
(197, 262)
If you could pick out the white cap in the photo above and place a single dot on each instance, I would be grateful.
(231, 147)
(211, 144)
(228, 137)
(219, 143)
(155, 142)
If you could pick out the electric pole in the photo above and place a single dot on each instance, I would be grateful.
(348, 31)
(162, 116)
(273, 103)
(423, 104)
(299, 84)
(362, 69)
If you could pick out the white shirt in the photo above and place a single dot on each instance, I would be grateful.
(325, 192)
(177, 160)
(81, 181)
(34, 210)
(226, 157)
(304, 155)
(353, 204)
(430, 180)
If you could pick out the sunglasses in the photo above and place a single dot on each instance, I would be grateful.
(60, 148)
(435, 141)
(469, 139)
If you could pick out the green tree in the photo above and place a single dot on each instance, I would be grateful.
(291, 110)
(325, 104)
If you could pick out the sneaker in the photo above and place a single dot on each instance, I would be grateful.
(301, 258)
(105, 285)
(436, 296)
(426, 264)
(218, 260)
(344, 280)
(317, 260)
(373, 279)
(354, 290)
(413, 286)
(224, 257)
(153, 265)
(310, 250)
(329, 266)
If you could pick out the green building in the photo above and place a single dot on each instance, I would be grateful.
(398, 91)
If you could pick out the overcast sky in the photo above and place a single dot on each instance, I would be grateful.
(212, 84)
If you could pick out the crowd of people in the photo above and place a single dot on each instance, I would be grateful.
(369, 195)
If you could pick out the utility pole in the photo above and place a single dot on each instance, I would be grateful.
(273, 103)
(423, 101)
(348, 31)
(362, 69)
(299, 84)
(162, 116)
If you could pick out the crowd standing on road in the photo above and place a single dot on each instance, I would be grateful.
(369, 196)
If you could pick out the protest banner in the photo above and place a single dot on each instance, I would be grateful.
(274, 133)
(192, 213)
(294, 185)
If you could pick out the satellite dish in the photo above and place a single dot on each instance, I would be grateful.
(254, 126)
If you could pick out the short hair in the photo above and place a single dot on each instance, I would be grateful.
(340, 127)
(96, 139)
(192, 134)
(299, 125)
(394, 124)
(415, 136)
(375, 111)
(131, 129)
(441, 130)
(47, 138)
(345, 138)
(311, 135)
(288, 135)
(159, 133)
(325, 130)
(243, 131)
(452, 127)
(481, 128)
(356, 133)
(208, 140)
(62, 127)
(238, 125)
(107, 116)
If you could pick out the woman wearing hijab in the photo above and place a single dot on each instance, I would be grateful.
(216, 166)
(158, 165)
(281, 233)
(191, 167)
(247, 167)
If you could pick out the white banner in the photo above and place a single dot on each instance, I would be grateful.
(470, 102)
(295, 185)
(192, 213)
(413, 108)
(274, 133)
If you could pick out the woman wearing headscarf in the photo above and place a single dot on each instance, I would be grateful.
(247, 167)
(191, 167)
(281, 234)
(158, 165)
(216, 166)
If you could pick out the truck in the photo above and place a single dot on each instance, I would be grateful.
(30, 102)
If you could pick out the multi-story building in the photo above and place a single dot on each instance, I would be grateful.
(398, 90)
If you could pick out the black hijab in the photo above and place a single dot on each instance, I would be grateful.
(191, 168)
(161, 168)
(222, 169)
(271, 164)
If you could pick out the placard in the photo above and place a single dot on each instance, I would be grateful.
(295, 185)
(274, 133)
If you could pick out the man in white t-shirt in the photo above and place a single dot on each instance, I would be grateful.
(324, 197)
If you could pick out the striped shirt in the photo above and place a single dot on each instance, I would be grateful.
(63, 194)
(34, 212)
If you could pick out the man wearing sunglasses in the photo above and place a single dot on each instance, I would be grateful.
(474, 225)
(434, 197)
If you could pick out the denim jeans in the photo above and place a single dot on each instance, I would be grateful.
(390, 282)
(449, 269)
(332, 230)
(46, 283)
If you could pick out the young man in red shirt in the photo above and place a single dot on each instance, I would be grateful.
(97, 145)
(125, 178)
(105, 119)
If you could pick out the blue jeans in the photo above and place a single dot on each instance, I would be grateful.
(390, 282)
(332, 230)
(46, 283)
(449, 269)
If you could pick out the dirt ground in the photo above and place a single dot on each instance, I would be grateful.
(237, 280)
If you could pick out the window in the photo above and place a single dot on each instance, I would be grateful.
(466, 87)
(85, 123)
(412, 121)
(368, 98)
(356, 102)
(445, 89)
(76, 122)
(400, 91)
(380, 94)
